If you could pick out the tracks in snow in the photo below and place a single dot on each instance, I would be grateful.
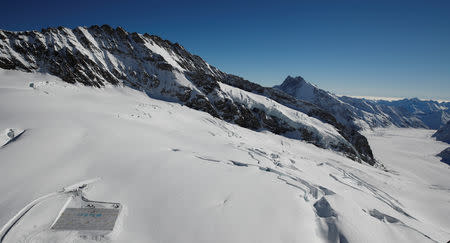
(286, 170)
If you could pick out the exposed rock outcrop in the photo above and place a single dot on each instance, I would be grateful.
(445, 155)
(443, 133)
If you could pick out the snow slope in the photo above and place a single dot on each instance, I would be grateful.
(185, 176)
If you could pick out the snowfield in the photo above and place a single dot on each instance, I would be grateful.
(184, 176)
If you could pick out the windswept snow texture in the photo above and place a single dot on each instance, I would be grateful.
(185, 176)
(364, 113)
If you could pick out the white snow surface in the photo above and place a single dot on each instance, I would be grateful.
(184, 176)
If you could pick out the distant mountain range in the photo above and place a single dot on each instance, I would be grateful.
(102, 55)
(364, 113)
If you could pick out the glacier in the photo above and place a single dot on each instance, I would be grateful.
(184, 175)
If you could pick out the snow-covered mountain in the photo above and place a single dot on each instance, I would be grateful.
(303, 90)
(443, 133)
(406, 112)
(99, 56)
(182, 175)
(363, 113)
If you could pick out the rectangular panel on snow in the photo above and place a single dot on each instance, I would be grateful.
(95, 219)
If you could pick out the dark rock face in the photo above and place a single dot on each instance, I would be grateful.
(443, 134)
(445, 155)
(101, 55)
(208, 83)
(360, 142)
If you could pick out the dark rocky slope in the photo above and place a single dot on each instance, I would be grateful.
(443, 133)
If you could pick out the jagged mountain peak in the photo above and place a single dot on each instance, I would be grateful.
(294, 79)
(298, 87)
(293, 82)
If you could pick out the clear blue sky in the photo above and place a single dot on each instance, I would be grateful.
(372, 48)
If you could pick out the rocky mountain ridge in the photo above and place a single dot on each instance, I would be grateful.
(102, 55)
